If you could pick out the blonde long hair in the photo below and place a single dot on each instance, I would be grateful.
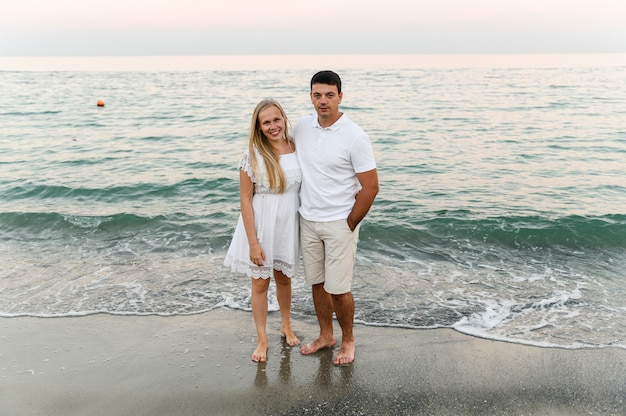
(258, 141)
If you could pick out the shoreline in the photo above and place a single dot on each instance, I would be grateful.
(200, 364)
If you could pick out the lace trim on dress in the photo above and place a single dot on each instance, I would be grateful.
(293, 175)
(244, 164)
(261, 272)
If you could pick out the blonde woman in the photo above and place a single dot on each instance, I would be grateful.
(266, 239)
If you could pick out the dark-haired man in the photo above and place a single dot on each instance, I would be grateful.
(339, 185)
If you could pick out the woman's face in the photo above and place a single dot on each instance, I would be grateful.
(272, 123)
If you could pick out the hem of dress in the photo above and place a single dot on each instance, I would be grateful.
(260, 272)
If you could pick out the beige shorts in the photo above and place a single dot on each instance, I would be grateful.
(328, 252)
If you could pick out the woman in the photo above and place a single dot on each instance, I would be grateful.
(266, 239)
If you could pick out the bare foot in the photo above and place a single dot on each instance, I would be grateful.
(317, 345)
(260, 353)
(290, 337)
(345, 354)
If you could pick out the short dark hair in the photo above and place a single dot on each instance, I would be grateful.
(328, 78)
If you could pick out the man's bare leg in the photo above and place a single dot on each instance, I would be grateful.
(323, 303)
(258, 302)
(283, 295)
(344, 309)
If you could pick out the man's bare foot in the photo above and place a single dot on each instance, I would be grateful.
(345, 354)
(290, 337)
(260, 353)
(317, 345)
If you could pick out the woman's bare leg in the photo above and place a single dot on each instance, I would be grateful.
(283, 295)
(258, 302)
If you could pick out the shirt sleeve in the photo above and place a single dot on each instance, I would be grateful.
(363, 154)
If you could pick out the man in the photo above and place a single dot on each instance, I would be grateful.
(339, 185)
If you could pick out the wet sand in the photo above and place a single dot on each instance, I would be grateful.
(200, 365)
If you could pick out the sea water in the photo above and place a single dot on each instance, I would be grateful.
(501, 212)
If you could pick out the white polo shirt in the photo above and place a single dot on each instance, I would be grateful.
(330, 158)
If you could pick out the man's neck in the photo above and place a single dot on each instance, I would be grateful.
(329, 121)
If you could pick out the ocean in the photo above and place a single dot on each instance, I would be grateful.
(501, 212)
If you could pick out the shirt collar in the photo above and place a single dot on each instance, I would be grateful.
(335, 126)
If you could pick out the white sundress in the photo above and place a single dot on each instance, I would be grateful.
(276, 221)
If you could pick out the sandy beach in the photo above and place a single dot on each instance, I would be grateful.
(200, 365)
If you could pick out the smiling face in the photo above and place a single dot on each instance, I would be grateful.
(272, 124)
(326, 100)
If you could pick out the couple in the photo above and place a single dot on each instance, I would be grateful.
(328, 164)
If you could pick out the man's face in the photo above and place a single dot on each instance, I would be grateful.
(326, 100)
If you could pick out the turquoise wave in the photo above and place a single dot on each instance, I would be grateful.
(571, 232)
(524, 232)
(149, 233)
(38, 222)
(113, 193)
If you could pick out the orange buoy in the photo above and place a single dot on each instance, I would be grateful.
(100, 103)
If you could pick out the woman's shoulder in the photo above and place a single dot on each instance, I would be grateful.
(245, 154)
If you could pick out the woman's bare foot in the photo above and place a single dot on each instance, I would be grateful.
(260, 353)
(317, 345)
(345, 354)
(290, 337)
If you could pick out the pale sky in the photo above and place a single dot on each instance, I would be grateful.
(204, 27)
